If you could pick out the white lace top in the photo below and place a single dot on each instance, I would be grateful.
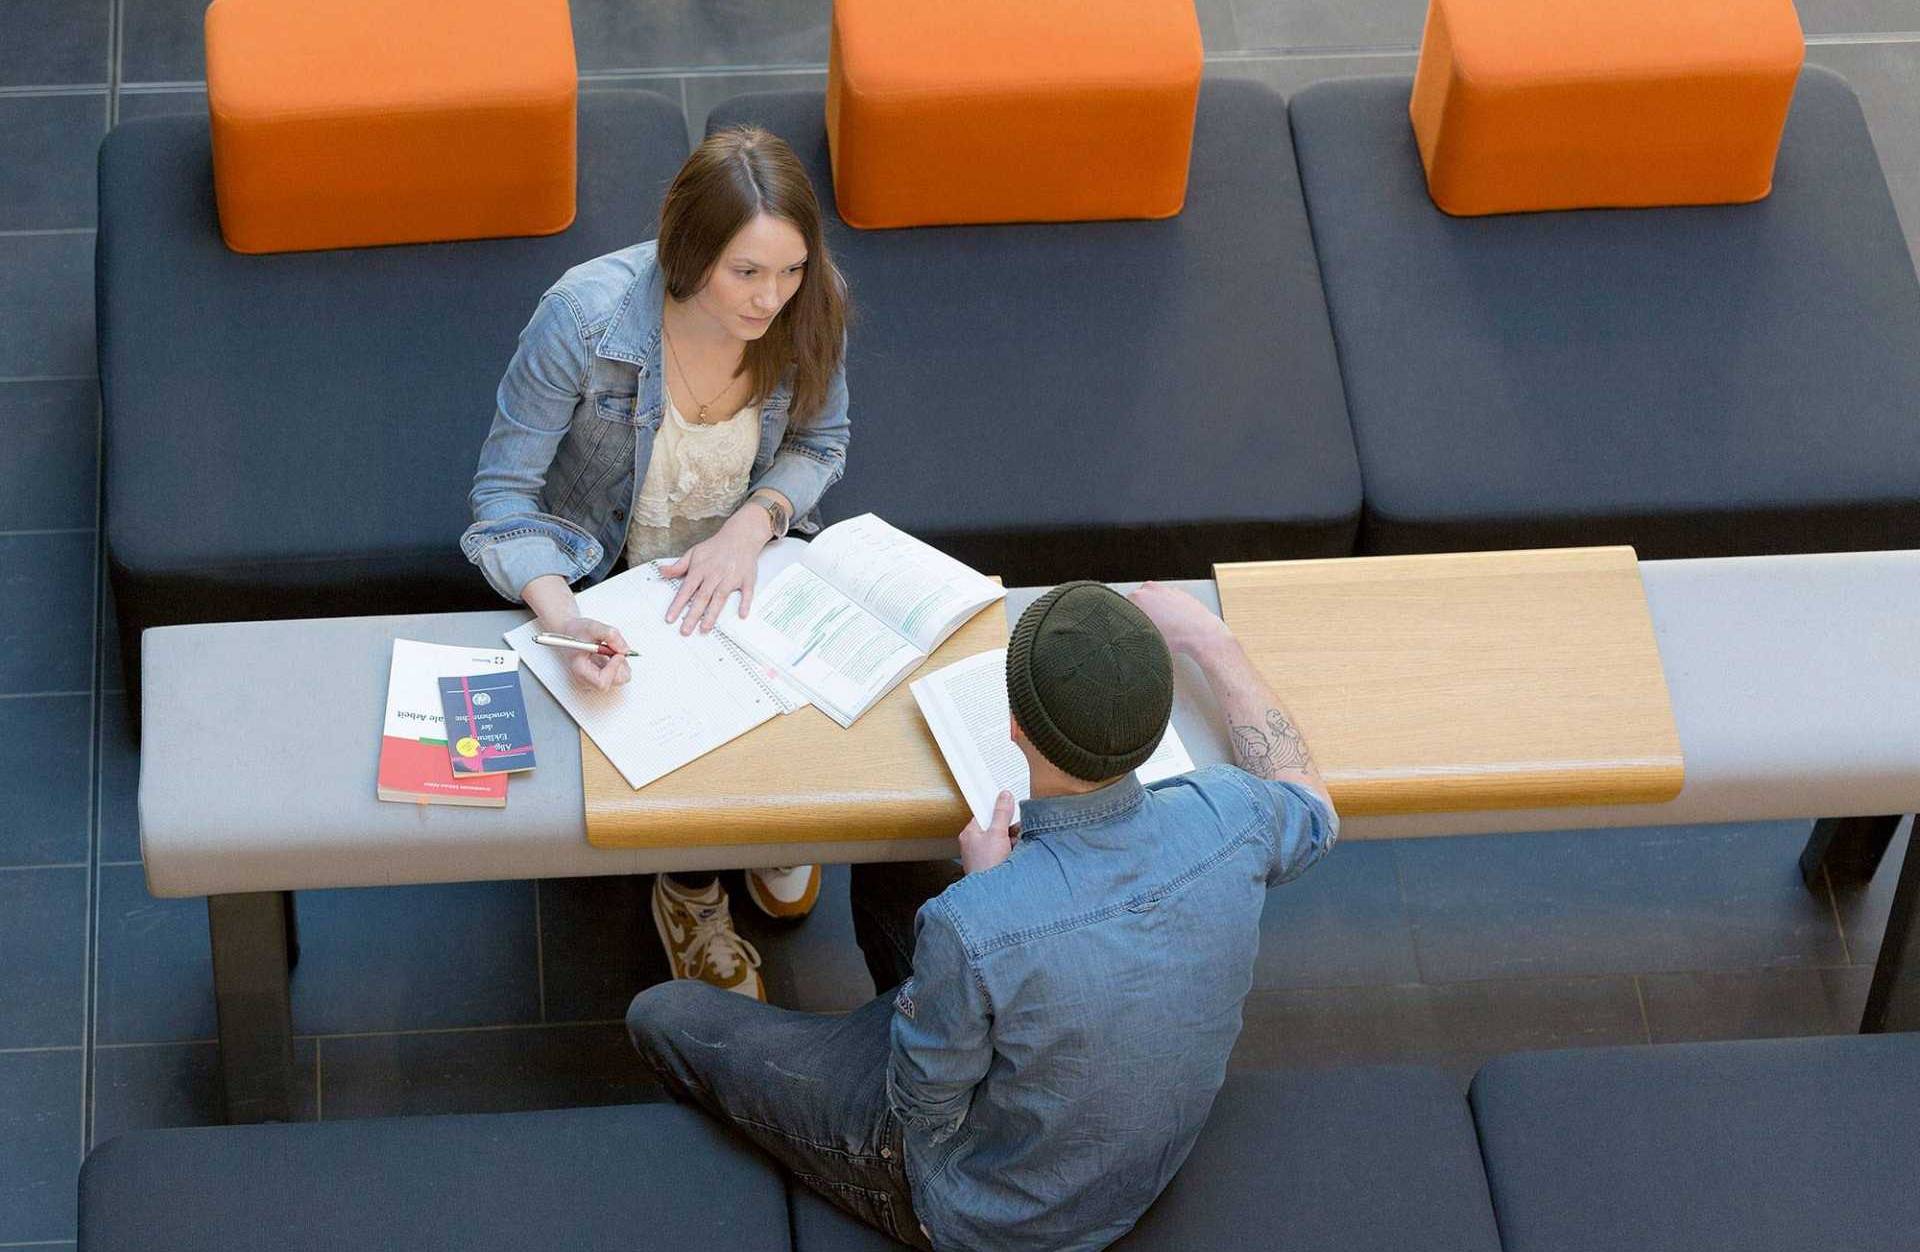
(696, 478)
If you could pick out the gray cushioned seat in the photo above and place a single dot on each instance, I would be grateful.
(1753, 1146)
(1357, 1160)
(294, 435)
(1098, 399)
(1722, 380)
(639, 1177)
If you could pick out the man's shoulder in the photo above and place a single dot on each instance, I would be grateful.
(595, 290)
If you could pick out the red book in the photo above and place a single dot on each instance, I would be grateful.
(414, 765)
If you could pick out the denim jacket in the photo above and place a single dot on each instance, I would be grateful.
(574, 423)
(1068, 1020)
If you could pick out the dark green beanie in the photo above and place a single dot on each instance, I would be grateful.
(1090, 680)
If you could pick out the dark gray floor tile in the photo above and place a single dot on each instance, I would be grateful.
(52, 434)
(112, 675)
(119, 776)
(52, 139)
(53, 43)
(46, 306)
(1340, 924)
(1289, 74)
(1652, 900)
(481, 1071)
(1294, 24)
(1857, 17)
(177, 1084)
(416, 958)
(43, 791)
(704, 91)
(46, 603)
(162, 104)
(619, 34)
(1887, 76)
(598, 948)
(1863, 910)
(43, 957)
(162, 41)
(40, 1133)
(1457, 1027)
(155, 977)
(1755, 1004)
(813, 964)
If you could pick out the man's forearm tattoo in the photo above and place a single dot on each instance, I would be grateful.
(1262, 750)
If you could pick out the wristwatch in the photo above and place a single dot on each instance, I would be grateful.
(774, 512)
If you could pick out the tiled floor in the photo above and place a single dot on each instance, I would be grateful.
(508, 995)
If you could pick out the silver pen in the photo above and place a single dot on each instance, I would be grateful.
(571, 644)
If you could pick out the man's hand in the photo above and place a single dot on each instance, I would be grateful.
(1183, 621)
(984, 849)
(593, 669)
(716, 568)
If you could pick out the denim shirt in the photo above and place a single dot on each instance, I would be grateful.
(1068, 1020)
(574, 422)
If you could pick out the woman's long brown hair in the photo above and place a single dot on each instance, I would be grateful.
(736, 174)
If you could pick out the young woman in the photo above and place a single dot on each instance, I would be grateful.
(683, 398)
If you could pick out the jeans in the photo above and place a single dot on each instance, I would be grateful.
(809, 1089)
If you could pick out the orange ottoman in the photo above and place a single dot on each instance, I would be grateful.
(949, 111)
(343, 123)
(1564, 104)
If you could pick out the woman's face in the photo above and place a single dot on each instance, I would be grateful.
(757, 273)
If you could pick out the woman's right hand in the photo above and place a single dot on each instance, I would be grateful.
(594, 669)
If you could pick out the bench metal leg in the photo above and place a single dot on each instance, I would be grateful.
(1894, 1001)
(1850, 847)
(251, 935)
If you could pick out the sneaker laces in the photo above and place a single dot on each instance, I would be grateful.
(714, 942)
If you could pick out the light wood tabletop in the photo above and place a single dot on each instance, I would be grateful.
(1466, 681)
(799, 777)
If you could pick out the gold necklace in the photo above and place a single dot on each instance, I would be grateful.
(687, 379)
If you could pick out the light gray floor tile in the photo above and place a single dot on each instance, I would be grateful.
(1857, 17)
(1887, 76)
(1669, 899)
(1755, 1004)
(620, 34)
(1456, 1028)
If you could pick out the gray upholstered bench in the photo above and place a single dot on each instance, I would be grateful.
(1366, 1160)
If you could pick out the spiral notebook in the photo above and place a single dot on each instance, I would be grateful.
(689, 694)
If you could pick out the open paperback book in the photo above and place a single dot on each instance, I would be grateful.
(965, 704)
(858, 612)
(689, 694)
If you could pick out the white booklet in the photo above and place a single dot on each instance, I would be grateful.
(858, 612)
(966, 706)
(689, 694)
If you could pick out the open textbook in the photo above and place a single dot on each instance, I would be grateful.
(965, 704)
(857, 612)
(689, 694)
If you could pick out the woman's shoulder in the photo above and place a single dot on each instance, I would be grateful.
(597, 289)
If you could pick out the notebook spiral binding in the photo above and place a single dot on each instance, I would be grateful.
(756, 672)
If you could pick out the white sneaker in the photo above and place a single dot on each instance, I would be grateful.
(696, 929)
(786, 894)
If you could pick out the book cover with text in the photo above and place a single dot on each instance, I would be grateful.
(413, 742)
(487, 729)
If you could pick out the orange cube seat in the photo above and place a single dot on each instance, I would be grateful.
(1523, 105)
(346, 123)
(1011, 110)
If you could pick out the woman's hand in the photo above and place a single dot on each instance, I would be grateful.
(716, 568)
(595, 669)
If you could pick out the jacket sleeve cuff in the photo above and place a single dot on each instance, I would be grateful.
(802, 479)
(513, 555)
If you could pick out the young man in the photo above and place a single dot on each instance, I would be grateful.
(1061, 1014)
